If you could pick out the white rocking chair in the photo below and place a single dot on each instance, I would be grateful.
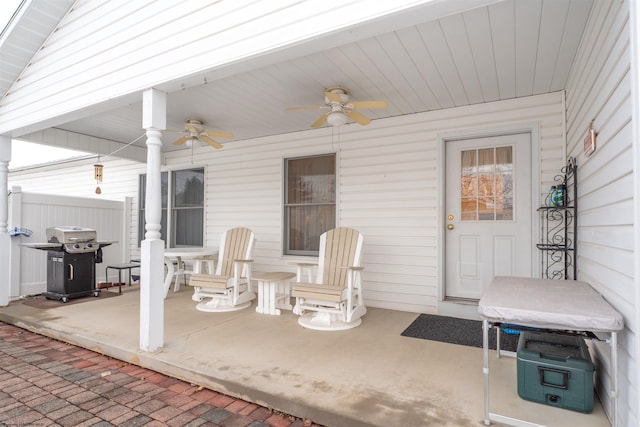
(229, 289)
(333, 301)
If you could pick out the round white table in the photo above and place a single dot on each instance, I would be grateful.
(177, 255)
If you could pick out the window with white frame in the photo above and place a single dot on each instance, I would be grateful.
(309, 202)
(182, 207)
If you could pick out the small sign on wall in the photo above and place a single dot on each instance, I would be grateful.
(590, 141)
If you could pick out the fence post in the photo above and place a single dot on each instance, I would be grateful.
(15, 219)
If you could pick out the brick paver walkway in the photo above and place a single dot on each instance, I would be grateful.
(47, 382)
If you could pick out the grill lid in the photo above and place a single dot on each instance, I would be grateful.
(70, 234)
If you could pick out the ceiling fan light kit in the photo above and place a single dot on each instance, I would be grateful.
(336, 118)
(340, 108)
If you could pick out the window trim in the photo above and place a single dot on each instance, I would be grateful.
(169, 208)
(284, 211)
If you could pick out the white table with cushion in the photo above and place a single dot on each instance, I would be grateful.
(567, 305)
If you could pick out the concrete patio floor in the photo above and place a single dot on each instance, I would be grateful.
(367, 376)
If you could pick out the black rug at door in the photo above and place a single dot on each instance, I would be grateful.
(457, 331)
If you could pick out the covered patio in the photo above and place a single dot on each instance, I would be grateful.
(367, 376)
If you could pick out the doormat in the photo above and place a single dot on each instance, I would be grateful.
(457, 331)
(40, 301)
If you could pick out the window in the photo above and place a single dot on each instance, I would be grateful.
(182, 208)
(309, 202)
(487, 184)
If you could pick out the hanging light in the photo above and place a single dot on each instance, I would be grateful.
(337, 118)
(97, 173)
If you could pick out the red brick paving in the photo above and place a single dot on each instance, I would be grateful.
(47, 382)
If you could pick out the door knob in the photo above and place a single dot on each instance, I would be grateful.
(450, 227)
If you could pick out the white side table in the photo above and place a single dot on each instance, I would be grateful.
(274, 292)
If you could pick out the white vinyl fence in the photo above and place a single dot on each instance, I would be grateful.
(37, 212)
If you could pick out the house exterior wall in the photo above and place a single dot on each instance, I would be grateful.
(387, 188)
(599, 89)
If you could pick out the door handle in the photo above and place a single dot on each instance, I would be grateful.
(450, 227)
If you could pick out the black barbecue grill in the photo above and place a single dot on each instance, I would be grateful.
(72, 253)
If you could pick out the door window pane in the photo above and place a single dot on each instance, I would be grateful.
(310, 202)
(487, 184)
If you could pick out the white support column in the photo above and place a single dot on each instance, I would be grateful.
(5, 239)
(152, 248)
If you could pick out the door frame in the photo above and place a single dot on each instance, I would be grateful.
(464, 308)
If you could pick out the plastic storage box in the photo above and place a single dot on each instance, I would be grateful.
(555, 370)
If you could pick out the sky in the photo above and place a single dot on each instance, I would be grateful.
(24, 153)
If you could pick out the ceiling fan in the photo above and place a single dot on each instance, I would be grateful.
(340, 109)
(194, 129)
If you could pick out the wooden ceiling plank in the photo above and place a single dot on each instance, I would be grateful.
(503, 36)
(479, 34)
(455, 33)
(417, 92)
(552, 25)
(384, 89)
(527, 24)
(579, 12)
(414, 44)
(436, 43)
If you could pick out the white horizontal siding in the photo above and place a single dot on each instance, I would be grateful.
(387, 188)
(599, 89)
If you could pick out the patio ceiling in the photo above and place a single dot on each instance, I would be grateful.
(503, 50)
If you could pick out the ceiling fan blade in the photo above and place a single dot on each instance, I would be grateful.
(357, 117)
(191, 127)
(308, 107)
(211, 142)
(218, 134)
(368, 104)
(333, 97)
(182, 140)
(321, 120)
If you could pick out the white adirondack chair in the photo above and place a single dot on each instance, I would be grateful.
(229, 289)
(333, 301)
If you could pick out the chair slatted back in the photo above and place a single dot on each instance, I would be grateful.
(341, 251)
(236, 245)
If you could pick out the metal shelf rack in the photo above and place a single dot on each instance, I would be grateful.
(559, 228)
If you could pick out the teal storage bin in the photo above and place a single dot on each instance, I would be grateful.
(555, 370)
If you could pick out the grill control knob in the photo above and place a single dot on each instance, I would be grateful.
(89, 245)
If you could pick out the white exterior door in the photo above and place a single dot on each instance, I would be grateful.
(488, 217)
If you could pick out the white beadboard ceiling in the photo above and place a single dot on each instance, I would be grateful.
(507, 49)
